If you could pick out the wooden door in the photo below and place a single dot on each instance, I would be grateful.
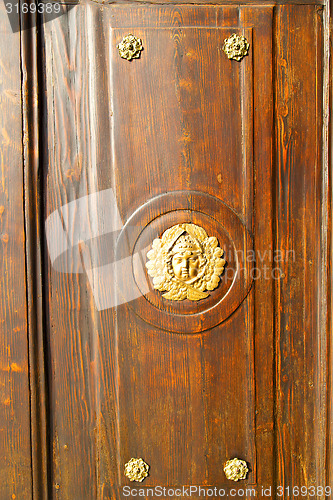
(179, 146)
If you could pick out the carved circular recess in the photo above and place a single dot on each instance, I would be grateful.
(218, 221)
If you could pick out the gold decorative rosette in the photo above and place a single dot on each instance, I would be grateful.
(236, 47)
(236, 469)
(185, 262)
(136, 469)
(130, 47)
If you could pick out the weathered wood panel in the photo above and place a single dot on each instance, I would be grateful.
(142, 129)
(33, 142)
(76, 135)
(161, 3)
(119, 386)
(15, 454)
(301, 216)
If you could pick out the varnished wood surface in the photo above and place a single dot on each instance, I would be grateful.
(263, 229)
(15, 446)
(144, 128)
(33, 142)
(328, 160)
(301, 208)
(145, 3)
(119, 387)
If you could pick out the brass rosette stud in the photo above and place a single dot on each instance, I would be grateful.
(136, 469)
(130, 47)
(236, 47)
(236, 469)
(185, 263)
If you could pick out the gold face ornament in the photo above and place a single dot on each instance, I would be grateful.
(185, 262)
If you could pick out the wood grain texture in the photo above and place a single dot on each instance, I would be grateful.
(144, 129)
(263, 229)
(328, 160)
(195, 135)
(77, 164)
(145, 3)
(183, 118)
(35, 239)
(300, 212)
(15, 459)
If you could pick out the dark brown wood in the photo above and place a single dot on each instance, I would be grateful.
(180, 134)
(172, 129)
(217, 2)
(328, 160)
(15, 445)
(74, 326)
(263, 227)
(157, 130)
(183, 3)
(34, 230)
(301, 218)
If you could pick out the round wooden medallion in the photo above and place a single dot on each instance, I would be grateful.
(150, 222)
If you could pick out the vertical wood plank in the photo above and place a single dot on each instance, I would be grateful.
(15, 459)
(301, 325)
(70, 173)
(261, 18)
(34, 232)
(328, 161)
(87, 395)
(192, 123)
